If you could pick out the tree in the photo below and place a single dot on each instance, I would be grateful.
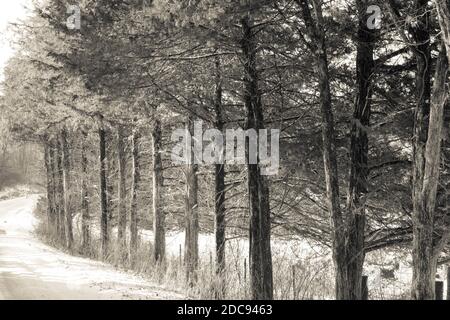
(85, 218)
(104, 234)
(219, 197)
(158, 213)
(122, 212)
(359, 152)
(429, 110)
(135, 180)
(66, 188)
(261, 281)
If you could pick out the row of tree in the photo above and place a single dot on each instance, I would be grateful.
(366, 111)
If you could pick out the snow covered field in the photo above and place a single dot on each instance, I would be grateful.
(30, 269)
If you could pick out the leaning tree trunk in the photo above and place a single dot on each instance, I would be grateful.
(191, 215)
(104, 235)
(316, 31)
(66, 187)
(359, 147)
(158, 214)
(331, 177)
(85, 218)
(261, 281)
(443, 12)
(219, 199)
(136, 176)
(423, 269)
(122, 209)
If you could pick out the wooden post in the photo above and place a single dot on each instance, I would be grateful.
(365, 288)
(180, 257)
(245, 278)
(211, 262)
(448, 282)
(439, 290)
(294, 287)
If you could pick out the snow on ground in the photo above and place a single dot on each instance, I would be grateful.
(15, 192)
(293, 248)
(31, 270)
(389, 270)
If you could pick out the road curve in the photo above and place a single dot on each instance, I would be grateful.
(30, 270)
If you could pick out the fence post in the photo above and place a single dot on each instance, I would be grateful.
(245, 270)
(365, 288)
(448, 282)
(245, 277)
(211, 262)
(439, 290)
(294, 287)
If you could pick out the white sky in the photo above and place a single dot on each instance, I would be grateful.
(10, 11)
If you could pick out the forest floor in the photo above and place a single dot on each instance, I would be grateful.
(30, 269)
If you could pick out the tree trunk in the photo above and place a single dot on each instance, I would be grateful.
(425, 254)
(358, 185)
(85, 218)
(219, 221)
(60, 192)
(66, 187)
(315, 29)
(158, 214)
(103, 193)
(110, 177)
(261, 282)
(136, 177)
(50, 189)
(191, 215)
(53, 155)
(122, 209)
(423, 273)
(332, 183)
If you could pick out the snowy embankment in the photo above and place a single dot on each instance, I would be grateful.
(389, 270)
(31, 270)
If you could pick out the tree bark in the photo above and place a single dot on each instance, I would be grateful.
(136, 177)
(110, 177)
(261, 281)
(53, 155)
(85, 216)
(60, 192)
(443, 10)
(219, 199)
(423, 271)
(48, 161)
(315, 29)
(359, 147)
(122, 210)
(191, 214)
(426, 175)
(158, 214)
(54, 192)
(66, 187)
(104, 235)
